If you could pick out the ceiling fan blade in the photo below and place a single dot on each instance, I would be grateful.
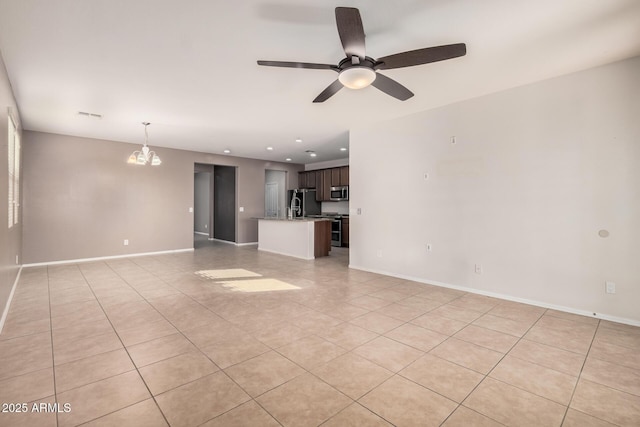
(421, 56)
(298, 65)
(391, 87)
(351, 31)
(331, 90)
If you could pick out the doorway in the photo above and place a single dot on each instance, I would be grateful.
(215, 202)
(224, 203)
(275, 199)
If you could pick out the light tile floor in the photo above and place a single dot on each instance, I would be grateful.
(151, 341)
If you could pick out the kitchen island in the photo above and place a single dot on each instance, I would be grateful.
(306, 238)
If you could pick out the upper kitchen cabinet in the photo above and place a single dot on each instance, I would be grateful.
(335, 177)
(307, 179)
(323, 179)
(326, 184)
(311, 179)
(319, 187)
(344, 175)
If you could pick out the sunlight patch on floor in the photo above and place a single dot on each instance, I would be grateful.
(258, 285)
(229, 273)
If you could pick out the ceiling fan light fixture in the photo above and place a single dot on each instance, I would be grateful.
(357, 77)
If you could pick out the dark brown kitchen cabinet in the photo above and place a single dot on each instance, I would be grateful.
(322, 180)
(326, 184)
(307, 179)
(302, 180)
(322, 238)
(311, 179)
(344, 175)
(319, 187)
(335, 177)
(345, 232)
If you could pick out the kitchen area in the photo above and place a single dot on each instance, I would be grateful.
(316, 219)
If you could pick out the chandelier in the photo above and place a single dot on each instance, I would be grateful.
(144, 156)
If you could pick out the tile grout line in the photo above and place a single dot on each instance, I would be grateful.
(573, 392)
(228, 376)
(252, 399)
(185, 337)
(53, 358)
(347, 322)
(491, 370)
(124, 347)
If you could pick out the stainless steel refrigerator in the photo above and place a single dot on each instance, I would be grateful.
(303, 203)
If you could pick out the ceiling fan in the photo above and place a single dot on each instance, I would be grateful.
(358, 71)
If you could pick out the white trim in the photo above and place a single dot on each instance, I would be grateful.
(74, 261)
(223, 241)
(283, 254)
(233, 243)
(200, 233)
(5, 313)
(616, 319)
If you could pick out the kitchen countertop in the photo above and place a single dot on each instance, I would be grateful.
(306, 219)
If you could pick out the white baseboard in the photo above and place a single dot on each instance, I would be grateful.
(281, 253)
(102, 258)
(234, 243)
(200, 233)
(223, 241)
(571, 310)
(5, 313)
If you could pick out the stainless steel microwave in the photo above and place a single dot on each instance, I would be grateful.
(339, 193)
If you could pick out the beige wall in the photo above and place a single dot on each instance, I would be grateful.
(10, 239)
(536, 172)
(81, 198)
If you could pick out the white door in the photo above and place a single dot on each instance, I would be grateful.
(271, 200)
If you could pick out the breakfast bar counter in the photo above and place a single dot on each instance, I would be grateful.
(306, 238)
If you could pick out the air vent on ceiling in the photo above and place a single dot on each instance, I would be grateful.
(92, 115)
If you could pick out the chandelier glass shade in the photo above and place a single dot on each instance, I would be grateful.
(144, 156)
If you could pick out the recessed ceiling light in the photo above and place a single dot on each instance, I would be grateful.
(269, 148)
(312, 154)
(343, 149)
(298, 139)
(288, 159)
(226, 151)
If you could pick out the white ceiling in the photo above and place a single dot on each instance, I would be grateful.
(189, 67)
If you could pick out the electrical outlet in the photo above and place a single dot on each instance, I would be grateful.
(379, 253)
(478, 268)
(126, 242)
(425, 176)
(610, 287)
(17, 260)
(359, 211)
(429, 247)
(190, 210)
(241, 209)
(206, 226)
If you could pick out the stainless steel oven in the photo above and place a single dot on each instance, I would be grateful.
(339, 193)
(336, 232)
